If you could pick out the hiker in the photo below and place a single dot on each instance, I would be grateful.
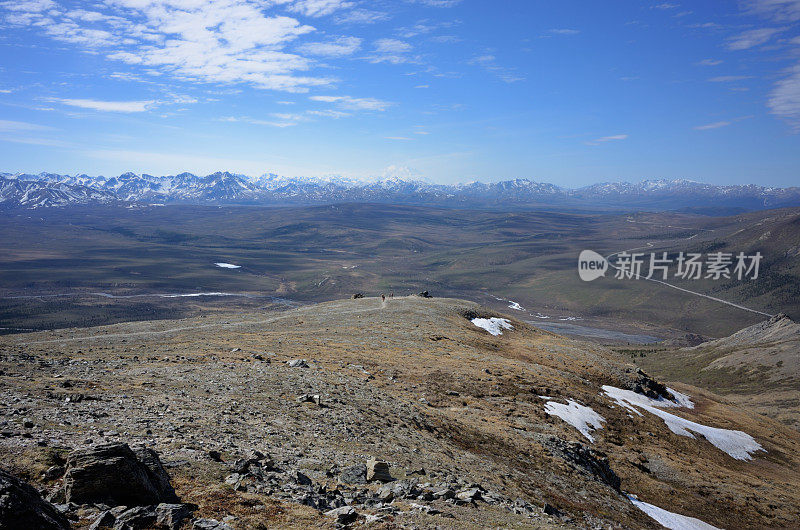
(383, 297)
(391, 295)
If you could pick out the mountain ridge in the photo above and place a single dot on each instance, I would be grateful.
(224, 187)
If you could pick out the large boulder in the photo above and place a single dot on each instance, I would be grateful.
(21, 506)
(114, 474)
(378, 470)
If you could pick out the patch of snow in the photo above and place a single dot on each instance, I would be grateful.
(493, 325)
(682, 399)
(579, 416)
(737, 444)
(228, 266)
(673, 521)
(515, 305)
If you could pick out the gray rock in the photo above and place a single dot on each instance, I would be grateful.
(302, 479)
(444, 493)
(172, 515)
(298, 363)
(114, 474)
(344, 515)
(21, 506)
(378, 470)
(136, 518)
(309, 398)
(469, 494)
(385, 494)
(356, 474)
(105, 520)
(53, 472)
(210, 524)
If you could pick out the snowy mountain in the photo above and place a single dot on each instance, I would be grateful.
(19, 193)
(51, 189)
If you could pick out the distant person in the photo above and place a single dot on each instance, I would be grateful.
(391, 295)
(383, 298)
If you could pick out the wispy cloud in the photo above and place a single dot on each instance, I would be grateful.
(784, 100)
(564, 31)
(337, 47)
(489, 63)
(396, 138)
(213, 41)
(728, 78)
(319, 8)
(361, 16)
(752, 38)
(20, 126)
(437, 3)
(106, 106)
(351, 103)
(779, 10)
(391, 51)
(604, 139)
(715, 125)
(708, 62)
(665, 5)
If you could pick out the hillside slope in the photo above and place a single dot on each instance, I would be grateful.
(525, 414)
(757, 366)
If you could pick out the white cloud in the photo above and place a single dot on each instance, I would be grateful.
(438, 3)
(784, 100)
(665, 5)
(564, 31)
(350, 103)
(779, 10)
(106, 106)
(19, 126)
(282, 121)
(751, 38)
(488, 63)
(361, 16)
(445, 39)
(391, 51)
(210, 41)
(33, 6)
(715, 125)
(729, 78)
(708, 62)
(319, 8)
(397, 138)
(392, 46)
(338, 47)
(604, 139)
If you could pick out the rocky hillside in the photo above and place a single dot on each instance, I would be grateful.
(431, 413)
(231, 188)
(757, 367)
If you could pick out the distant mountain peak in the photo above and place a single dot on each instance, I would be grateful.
(398, 185)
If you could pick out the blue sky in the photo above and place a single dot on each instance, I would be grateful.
(572, 92)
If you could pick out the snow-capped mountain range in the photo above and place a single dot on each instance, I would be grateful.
(19, 190)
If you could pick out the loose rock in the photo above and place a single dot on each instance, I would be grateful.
(21, 506)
